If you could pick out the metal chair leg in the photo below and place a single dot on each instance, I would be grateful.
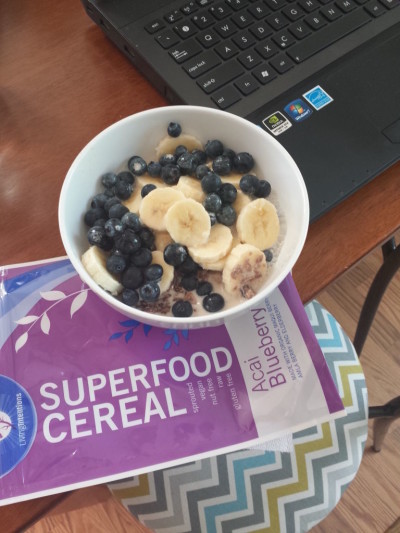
(391, 264)
(384, 416)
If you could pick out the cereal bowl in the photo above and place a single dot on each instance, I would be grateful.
(139, 135)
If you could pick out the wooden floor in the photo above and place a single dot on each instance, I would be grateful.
(372, 502)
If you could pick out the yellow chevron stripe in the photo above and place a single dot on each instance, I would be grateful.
(142, 489)
(345, 371)
(301, 485)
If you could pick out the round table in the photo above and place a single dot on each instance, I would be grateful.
(255, 490)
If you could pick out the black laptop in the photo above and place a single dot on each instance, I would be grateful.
(321, 76)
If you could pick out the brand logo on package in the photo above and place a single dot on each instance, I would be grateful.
(277, 123)
(318, 97)
(18, 424)
(298, 110)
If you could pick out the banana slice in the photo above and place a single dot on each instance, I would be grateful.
(188, 222)
(161, 240)
(155, 205)
(232, 178)
(242, 199)
(258, 224)
(168, 271)
(94, 261)
(168, 144)
(134, 201)
(216, 247)
(191, 188)
(245, 270)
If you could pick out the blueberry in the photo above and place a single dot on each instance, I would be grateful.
(212, 202)
(113, 227)
(167, 159)
(228, 193)
(213, 302)
(180, 149)
(222, 165)
(149, 291)
(132, 277)
(182, 308)
(263, 189)
(201, 171)
(189, 282)
(123, 189)
(109, 179)
(126, 177)
(146, 189)
(100, 222)
(170, 174)
(200, 155)
(110, 202)
(128, 242)
(175, 254)
(229, 153)
(211, 182)
(187, 163)
(153, 272)
(249, 184)
(99, 200)
(142, 257)
(268, 255)
(117, 211)
(154, 169)
(204, 288)
(130, 297)
(213, 218)
(132, 221)
(147, 238)
(227, 215)
(214, 148)
(93, 214)
(174, 129)
(243, 162)
(97, 237)
(188, 266)
(115, 264)
(137, 165)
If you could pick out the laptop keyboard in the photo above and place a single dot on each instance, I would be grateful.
(233, 47)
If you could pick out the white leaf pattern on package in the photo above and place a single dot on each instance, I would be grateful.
(52, 296)
(78, 302)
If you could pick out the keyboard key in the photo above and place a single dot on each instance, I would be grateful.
(249, 59)
(346, 5)
(260, 30)
(185, 50)
(189, 8)
(390, 3)
(300, 29)
(201, 64)
(220, 10)
(185, 29)
(375, 8)
(226, 97)
(208, 38)
(275, 4)
(204, 2)
(282, 63)
(309, 5)
(259, 10)
(283, 39)
(315, 21)
(244, 39)
(220, 76)
(203, 20)
(173, 16)
(331, 12)
(236, 5)
(167, 38)
(225, 28)
(277, 21)
(267, 49)
(155, 26)
(264, 73)
(242, 20)
(247, 84)
(293, 12)
(226, 50)
(320, 40)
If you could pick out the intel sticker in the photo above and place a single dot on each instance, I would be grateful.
(277, 123)
(298, 110)
(318, 98)
(18, 424)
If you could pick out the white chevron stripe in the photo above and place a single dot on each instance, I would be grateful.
(308, 438)
(232, 497)
(339, 364)
(329, 335)
(312, 314)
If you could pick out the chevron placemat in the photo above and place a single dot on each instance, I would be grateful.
(252, 490)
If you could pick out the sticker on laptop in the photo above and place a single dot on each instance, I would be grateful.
(298, 110)
(277, 123)
(318, 98)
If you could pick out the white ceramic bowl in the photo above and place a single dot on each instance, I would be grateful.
(138, 135)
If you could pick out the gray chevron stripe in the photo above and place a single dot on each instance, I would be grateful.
(257, 490)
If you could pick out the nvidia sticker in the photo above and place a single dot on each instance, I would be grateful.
(277, 123)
